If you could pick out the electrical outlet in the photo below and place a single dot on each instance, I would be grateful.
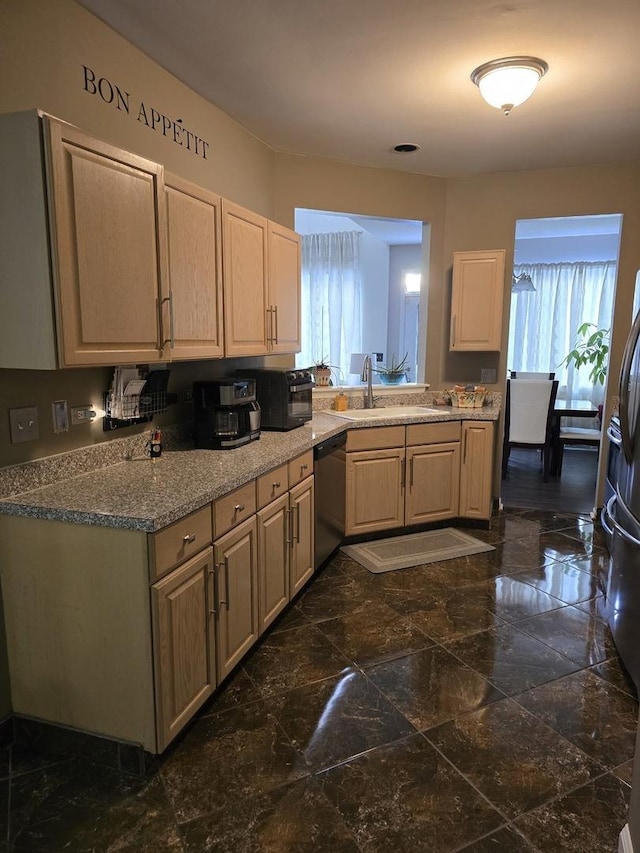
(24, 424)
(82, 415)
(379, 356)
(488, 375)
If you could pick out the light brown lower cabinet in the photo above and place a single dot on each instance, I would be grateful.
(285, 549)
(236, 575)
(301, 513)
(421, 481)
(184, 639)
(476, 469)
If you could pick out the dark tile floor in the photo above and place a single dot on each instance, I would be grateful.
(473, 705)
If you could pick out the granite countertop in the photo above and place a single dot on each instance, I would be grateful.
(147, 495)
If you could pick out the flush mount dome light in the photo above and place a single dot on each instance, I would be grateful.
(406, 147)
(506, 83)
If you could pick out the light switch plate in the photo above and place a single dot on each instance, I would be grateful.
(60, 415)
(24, 424)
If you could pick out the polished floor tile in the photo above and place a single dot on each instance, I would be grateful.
(562, 581)
(375, 633)
(591, 713)
(510, 659)
(515, 760)
(290, 658)
(337, 719)
(406, 798)
(297, 818)
(511, 599)
(625, 772)
(238, 689)
(507, 840)
(583, 638)
(336, 596)
(614, 672)
(432, 686)
(223, 758)
(447, 616)
(76, 807)
(588, 819)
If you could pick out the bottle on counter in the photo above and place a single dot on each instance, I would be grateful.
(340, 402)
(155, 446)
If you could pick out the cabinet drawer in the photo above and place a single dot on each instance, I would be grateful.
(300, 467)
(234, 508)
(433, 433)
(180, 541)
(272, 485)
(376, 438)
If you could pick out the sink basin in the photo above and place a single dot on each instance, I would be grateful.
(382, 413)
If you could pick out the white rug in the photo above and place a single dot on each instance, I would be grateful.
(401, 552)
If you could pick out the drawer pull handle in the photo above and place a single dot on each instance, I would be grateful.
(213, 605)
(239, 508)
(304, 467)
(189, 539)
(276, 485)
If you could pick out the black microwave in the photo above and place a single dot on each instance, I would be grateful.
(284, 396)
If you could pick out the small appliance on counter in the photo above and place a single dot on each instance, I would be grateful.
(226, 413)
(284, 396)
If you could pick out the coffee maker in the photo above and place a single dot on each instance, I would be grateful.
(226, 413)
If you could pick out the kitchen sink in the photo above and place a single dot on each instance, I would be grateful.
(382, 413)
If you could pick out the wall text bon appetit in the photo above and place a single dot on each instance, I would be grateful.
(172, 129)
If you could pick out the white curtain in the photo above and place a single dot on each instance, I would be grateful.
(331, 294)
(544, 323)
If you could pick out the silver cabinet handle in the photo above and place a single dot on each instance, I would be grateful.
(239, 508)
(269, 325)
(221, 601)
(411, 473)
(274, 313)
(289, 524)
(189, 538)
(275, 486)
(303, 468)
(171, 339)
(226, 580)
(212, 590)
(298, 523)
(403, 472)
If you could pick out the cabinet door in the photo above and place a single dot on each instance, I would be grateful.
(183, 644)
(375, 490)
(273, 560)
(284, 289)
(301, 503)
(433, 478)
(235, 556)
(476, 474)
(109, 239)
(195, 271)
(476, 300)
(244, 260)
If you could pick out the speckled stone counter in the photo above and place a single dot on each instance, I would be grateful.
(145, 495)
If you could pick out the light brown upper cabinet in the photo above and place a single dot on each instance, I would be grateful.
(284, 289)
(109, 247)
(83, 244)
(261, 265)
(476, 300)
(194, 304)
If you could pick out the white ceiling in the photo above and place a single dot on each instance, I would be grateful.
(348, 79)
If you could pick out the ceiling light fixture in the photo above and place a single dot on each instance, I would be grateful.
(506, 83)
(521, 283)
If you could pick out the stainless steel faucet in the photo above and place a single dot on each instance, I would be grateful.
(367, 376)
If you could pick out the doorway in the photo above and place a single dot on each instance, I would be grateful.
(564, 278)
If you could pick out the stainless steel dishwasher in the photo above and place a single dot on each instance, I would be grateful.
(329, 464)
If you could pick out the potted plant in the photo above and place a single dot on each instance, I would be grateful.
(395, 373)
(321, 371)
(592, 347)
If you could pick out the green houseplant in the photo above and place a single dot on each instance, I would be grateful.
(592, 347)
(322, 371)
(395, 373)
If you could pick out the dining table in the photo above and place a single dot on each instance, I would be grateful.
(567, 409)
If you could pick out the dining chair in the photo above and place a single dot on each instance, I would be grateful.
(588, 436)
(521, 374)
(529, 419)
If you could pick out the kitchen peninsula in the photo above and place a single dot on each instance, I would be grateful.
(131, 591)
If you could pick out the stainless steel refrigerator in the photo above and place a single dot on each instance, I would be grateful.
(622, 514)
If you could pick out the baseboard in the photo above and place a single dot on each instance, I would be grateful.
(625, 844)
